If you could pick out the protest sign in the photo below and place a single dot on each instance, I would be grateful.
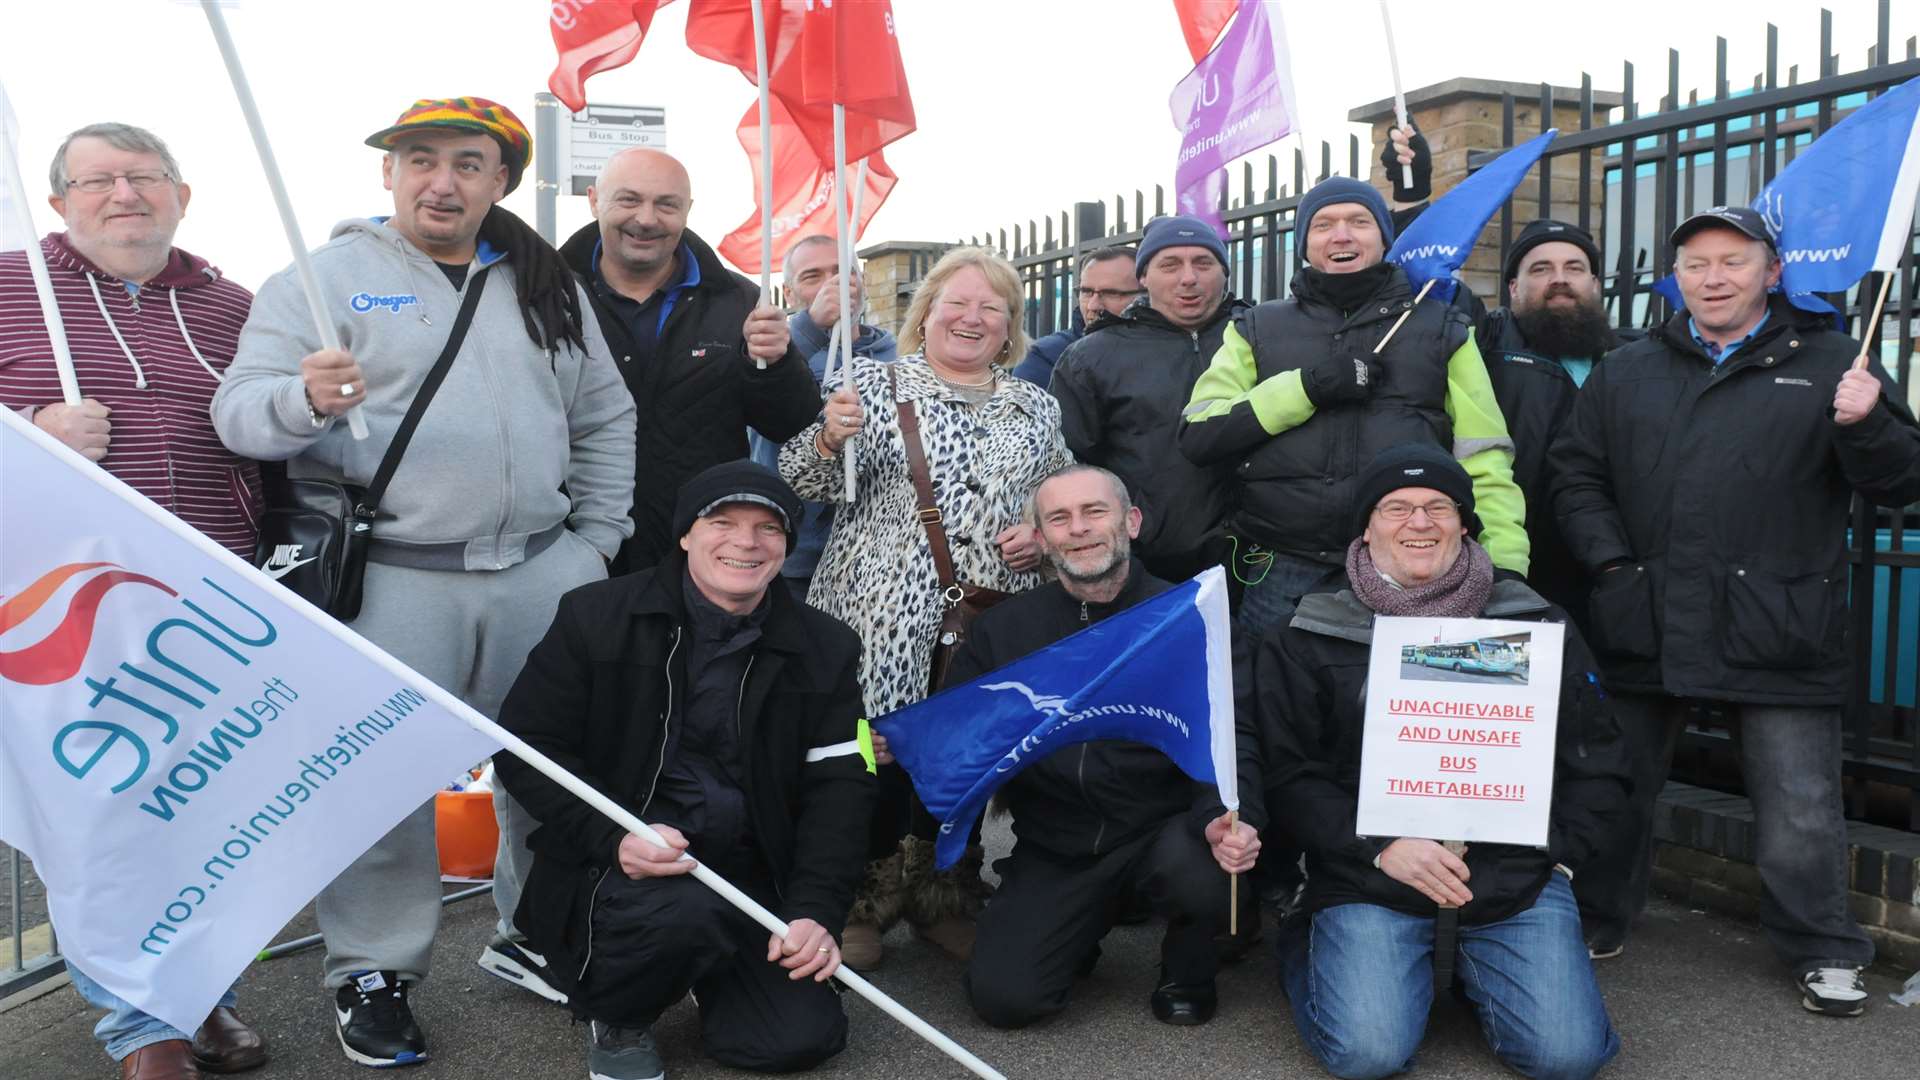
(1460, 726)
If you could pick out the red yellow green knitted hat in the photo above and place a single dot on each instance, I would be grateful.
(468, 114)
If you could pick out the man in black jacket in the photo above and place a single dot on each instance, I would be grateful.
(1122, 387)
(1539, 351)
(705, 359)
(704, 698)
(1360, 994)
(1091, 820)
(1705, 478)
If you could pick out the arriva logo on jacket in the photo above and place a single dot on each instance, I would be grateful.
(362, 302)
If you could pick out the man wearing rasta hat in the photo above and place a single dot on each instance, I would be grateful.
(515, 490)
(704, 697)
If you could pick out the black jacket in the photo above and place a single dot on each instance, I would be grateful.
(1301, 713)
(1295, 489)
(1090, 798)
(1724, 493)
(697, 393)
(1121, 389)
(595, 696)
(1536, 397)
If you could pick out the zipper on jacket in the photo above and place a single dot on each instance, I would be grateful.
(1083, 611)
(666, 726)
(1080, 777)
(592, 899)
(739, 702)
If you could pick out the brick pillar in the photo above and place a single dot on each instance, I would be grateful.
(1460, 117)
(892, 269)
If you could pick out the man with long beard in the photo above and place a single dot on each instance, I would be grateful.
(1538, 352)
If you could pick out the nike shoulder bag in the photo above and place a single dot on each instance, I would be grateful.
(314, 534)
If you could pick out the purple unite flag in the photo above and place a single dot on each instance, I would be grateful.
(1235, 101)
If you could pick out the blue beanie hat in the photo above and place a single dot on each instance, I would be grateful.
(1343, 189)
(1180, 231)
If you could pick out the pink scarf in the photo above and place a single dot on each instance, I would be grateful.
(1460, 593)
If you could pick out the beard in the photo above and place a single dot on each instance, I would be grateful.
(1119, 551)
(1581, 332)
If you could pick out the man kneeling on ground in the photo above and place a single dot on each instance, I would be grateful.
(701, 695)
(1357, 967)
(1095, 820)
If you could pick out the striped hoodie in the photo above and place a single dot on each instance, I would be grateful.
(154, 360)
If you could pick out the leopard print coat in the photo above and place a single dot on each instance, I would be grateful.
(876, 573)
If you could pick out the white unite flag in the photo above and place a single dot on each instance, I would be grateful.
(188, 751)
(16, 222)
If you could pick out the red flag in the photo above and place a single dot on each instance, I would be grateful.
(802, 190)
(595, 37)
(1201, 21)
(850, 55)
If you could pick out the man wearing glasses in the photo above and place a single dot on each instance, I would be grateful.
(152, 330)
(1121, 389)
(1106, 286)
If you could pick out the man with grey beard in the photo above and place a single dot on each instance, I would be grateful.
(1539, 350)
(1098, 819)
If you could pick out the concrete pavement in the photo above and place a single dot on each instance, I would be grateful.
(1695, 997)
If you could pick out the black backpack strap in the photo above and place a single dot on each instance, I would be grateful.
(370, 502)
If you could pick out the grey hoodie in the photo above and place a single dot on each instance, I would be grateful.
(509, 427)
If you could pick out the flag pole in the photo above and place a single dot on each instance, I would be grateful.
(766, 161)
(1233, 884)
(844, 253)
(1399, 98)
(302, 265)
(1395, 328)
(1872, 325)
(474, 719)
(37, 263)
(847, 239)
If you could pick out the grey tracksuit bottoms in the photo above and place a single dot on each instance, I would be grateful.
(470, 632)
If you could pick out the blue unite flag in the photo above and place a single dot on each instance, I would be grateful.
(1160, 673)
(1843, 207)
(1440, 239)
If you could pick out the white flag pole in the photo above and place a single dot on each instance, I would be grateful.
(303, 267)
(507, 739)
(848, 240)
(37, 263)
(1399, 99)
(766, 162)
(844, 252)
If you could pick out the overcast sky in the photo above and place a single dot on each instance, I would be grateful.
(1024, 105)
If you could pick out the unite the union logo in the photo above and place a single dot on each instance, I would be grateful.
(58, 655)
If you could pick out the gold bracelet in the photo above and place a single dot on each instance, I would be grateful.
(820, 446)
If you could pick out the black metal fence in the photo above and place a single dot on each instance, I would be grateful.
(1635, 175)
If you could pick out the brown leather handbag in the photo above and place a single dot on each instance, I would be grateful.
(962, 602)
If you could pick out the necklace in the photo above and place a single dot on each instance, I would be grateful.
(989, 381)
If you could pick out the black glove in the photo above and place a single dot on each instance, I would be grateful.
(1340, 378)
(1422, 167)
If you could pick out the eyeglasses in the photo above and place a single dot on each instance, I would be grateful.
(101, 183)
(1108, 296)
(1439, 511)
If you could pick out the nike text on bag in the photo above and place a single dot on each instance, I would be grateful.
(315, 533)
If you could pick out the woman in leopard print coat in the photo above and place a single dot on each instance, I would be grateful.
(990, 439)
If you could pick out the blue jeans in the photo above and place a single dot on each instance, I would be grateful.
(125, 1029)
(1360, 980)
(1272, 594)
(1790, 765)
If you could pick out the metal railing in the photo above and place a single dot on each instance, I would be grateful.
(1636, 174)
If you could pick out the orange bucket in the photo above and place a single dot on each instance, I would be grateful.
(466, 833)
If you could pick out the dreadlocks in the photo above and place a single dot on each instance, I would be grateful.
(549, 301)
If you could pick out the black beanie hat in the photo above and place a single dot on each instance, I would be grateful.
(1413, 465)
(741, 481)
(1547, 231)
